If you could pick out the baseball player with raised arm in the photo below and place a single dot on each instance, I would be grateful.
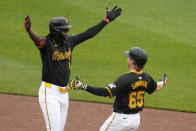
(129, 90)
(56, 51)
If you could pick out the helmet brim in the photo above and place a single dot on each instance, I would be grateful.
(64, 27)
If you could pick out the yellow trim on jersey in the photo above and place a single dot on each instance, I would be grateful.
(47, 109)
(109, 91)
(137, 72)
(110, 122)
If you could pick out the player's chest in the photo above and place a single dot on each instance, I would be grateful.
(59, 52)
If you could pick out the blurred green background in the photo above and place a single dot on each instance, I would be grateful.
(164, 28)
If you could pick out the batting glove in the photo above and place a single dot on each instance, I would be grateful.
(77, 84)
(164, 79)
(27, 24)
(112, 15)
(72, 85)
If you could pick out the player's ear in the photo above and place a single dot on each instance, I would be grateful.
(134, 63)
(129, 62)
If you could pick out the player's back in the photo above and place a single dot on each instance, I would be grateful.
(131, 89)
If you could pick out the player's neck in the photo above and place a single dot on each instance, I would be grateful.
(133, 69)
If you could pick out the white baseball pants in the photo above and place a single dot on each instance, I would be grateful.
(54, 104)
(121, 122)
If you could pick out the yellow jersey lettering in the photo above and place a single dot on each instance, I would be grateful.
(139, 83)
(56, 55)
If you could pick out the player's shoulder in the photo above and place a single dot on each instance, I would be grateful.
(121, 80)
(147, 76)
(70, 40)
(72, 36)
(124, 76)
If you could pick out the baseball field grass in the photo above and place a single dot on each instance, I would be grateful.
(164, 28)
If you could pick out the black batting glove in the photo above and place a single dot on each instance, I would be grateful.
(27, 24)
(112, 15)
(164, 79)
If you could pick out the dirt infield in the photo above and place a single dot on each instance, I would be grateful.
(22, 113)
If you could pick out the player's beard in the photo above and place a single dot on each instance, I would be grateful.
(60, 39)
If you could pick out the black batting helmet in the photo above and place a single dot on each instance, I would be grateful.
(58, 23)
(138, 55)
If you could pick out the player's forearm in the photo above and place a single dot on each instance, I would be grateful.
(95, 29)
(35, 37)
(99, 91)
(91, 32)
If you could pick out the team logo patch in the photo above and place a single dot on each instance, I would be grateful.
(112, 85)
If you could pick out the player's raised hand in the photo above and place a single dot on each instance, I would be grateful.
(113, 14)
(77, 84)
(164, 79)
(27, 24)
(80, 84)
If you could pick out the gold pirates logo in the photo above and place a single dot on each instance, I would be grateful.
(56, 55)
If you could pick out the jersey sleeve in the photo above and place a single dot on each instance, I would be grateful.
(152, 85)
(99, 91)
(42, 45)
(116, 87)
(89, 33)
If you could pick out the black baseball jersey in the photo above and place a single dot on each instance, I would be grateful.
(129, 90)
(56, 58)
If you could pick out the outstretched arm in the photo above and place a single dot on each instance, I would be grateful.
(37, 39)
(99, 91)
(91, 32)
